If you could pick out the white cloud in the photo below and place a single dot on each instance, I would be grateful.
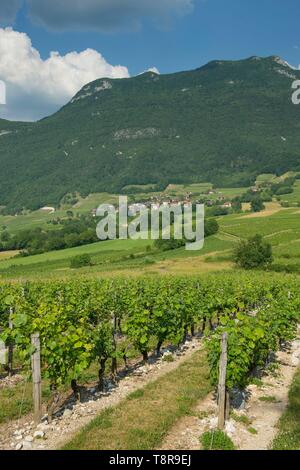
(37, 87)
(105, 15)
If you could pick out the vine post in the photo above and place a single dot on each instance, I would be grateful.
(36, 377)
(222, 401)
(10, 352)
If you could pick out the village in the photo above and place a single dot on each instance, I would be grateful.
(156, 202)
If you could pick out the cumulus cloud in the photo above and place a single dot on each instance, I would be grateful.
(104, 15)
(37, 87)
(9, 10)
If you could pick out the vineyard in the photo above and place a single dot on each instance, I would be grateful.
(84, 322)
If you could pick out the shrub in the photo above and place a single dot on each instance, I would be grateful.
(81, 261)
(211, 227)
(253, 253)
(284, 190)
(166, 245)
(216, 440)
(257, 204)
(219, 211)
(148, 260)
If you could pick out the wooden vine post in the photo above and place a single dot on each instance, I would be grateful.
(222, 395)
(10, 351)
(114, 364)
(36, 377)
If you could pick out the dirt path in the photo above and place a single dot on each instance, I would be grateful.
(63, 428)
(263, 410)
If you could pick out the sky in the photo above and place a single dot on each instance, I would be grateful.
(49, 49)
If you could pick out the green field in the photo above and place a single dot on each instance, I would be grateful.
(228, 193)
(93, 201)
(279, 226)
(265, 178)
(271, 178)
(28, 221)
(295, 196)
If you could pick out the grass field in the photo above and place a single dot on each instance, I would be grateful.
(279, 226)
(288, 437)
(295, 196)
(93, 201)
(180, 189)
(127, 257)
(271, 178)
(28, 221)
(142, 420)
(265, 178)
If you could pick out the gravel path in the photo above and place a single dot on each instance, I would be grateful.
(24, 435)
(263, 409)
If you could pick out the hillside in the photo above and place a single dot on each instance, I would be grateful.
(225, 122)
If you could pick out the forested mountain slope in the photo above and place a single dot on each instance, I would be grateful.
(225, 122)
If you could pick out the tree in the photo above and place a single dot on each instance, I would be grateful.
(253, 253)
(257, 204)
(81, 261)
(219, 211)
(211, 227)
(5, 236)
(237, 205)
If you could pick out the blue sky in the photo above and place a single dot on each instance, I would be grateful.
(170, 35)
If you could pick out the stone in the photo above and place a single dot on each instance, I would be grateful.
(294, 360)
(38, 434)
(28, 438)
(19, 446)
(19, 438)
(67, 413)
(229, 427)
(43, 427)
(26, 445)
(213, 422)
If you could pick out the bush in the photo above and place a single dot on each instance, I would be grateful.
(219, 211)
(257, 204)
(253, 253)
(211, 227)
(166, 245)
(285, 268)
(216, 440)
(81, 261)
(284, 190)
(148, 260)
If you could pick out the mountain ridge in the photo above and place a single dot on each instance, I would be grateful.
(224, 122)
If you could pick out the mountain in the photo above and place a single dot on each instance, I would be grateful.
(225, 122)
